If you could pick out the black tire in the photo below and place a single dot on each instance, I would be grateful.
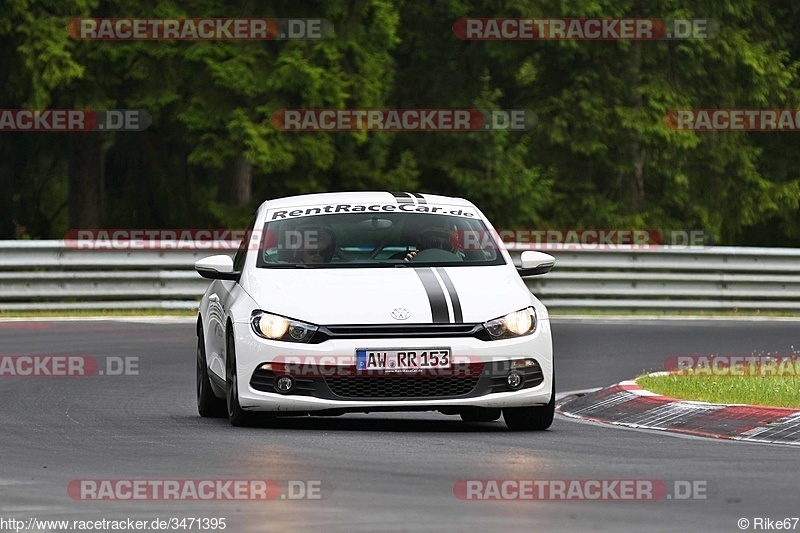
(208, 405)
(236, 415)
(536, 418)
(481, 415)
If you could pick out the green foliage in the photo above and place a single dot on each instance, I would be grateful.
(599, 156)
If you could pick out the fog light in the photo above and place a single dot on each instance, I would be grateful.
(284, 384)
(266, 366)
(514, 380)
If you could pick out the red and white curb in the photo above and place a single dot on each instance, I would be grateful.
(627, 404)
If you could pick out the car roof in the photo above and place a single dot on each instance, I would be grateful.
(378, 197)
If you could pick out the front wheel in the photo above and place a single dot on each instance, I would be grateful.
(208, 405)
(236, 415)
(536, 418)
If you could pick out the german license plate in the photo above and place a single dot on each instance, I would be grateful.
(403, 360)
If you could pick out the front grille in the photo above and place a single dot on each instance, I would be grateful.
(370, 388)
(476, 380)
(383, 331)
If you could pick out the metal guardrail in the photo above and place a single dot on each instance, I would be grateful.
(48, 275)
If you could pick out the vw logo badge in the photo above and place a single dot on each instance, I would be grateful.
(400, 313)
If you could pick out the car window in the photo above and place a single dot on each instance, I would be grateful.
(385, 239)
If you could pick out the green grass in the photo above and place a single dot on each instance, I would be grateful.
(96, 313)
(773, 391)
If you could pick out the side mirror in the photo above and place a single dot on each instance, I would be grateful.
(217, 267)
(535, 263)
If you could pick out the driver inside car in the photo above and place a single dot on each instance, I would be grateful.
(319, 245)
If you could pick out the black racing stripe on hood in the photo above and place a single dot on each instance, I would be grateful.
(420, 198)
(439, 311)
(458, 315)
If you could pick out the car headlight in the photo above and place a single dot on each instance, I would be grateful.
(516, 324)
(280, 328)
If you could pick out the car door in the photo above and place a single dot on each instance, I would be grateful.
(220, 300)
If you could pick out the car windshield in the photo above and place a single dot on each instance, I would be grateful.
(349, 240)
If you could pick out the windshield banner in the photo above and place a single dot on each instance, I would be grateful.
(295, 212)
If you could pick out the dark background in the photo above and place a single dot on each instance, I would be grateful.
(599, 157)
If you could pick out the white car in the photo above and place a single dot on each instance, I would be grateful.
(374, 301)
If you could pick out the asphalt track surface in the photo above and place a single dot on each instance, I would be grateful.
(379, 472)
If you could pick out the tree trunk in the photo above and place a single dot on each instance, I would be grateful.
(86, 178)
(636, 178)
(242, 181)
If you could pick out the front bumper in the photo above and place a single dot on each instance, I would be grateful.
(408, 392)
